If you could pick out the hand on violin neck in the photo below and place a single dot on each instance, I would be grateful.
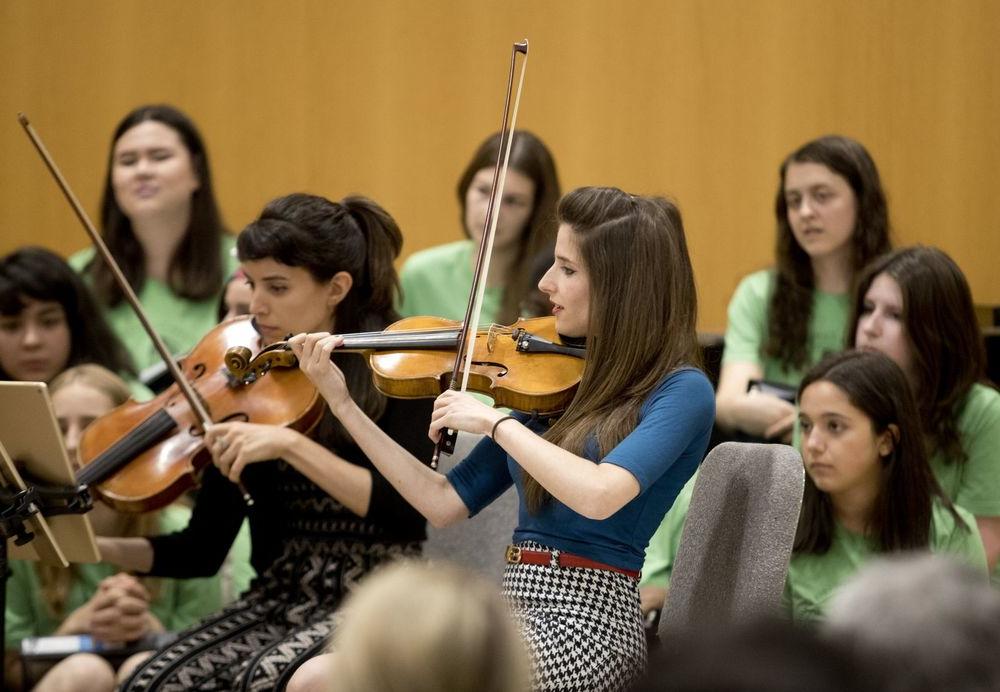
(461, 411)
(314, 352)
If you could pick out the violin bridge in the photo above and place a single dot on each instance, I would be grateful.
(491, 339)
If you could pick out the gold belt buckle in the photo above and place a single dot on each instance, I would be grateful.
(513, 554)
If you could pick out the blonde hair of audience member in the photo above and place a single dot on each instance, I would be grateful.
(427, 627)
(80, 395)
(928, 622)
(832, 218)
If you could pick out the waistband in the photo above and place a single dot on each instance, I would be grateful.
(556, 558)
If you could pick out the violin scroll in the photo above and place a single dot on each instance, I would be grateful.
(247, 369)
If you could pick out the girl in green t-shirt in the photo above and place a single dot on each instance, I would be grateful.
(97, 599)
(915, 306)
(831, 220)
(869, 487)
(436, 281)
(49, 321)
(160, 219)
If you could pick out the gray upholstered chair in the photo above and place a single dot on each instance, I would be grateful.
(737, 541)
(478, 543)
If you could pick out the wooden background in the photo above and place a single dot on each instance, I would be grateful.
(699, 100)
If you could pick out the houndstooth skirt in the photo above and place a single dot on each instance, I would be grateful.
(583, 627)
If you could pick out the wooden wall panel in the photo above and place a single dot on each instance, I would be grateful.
(696, 99)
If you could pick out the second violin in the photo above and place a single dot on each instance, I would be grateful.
(524, 366)
(142, 456)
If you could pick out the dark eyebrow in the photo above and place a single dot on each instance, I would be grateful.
(833, 414)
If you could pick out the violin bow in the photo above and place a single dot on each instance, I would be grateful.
(192, 397)
(466, 338)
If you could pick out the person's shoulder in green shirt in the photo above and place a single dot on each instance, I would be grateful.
(181, 322)
(746, 324)
(748, 320)
(661, 552)
(813, 578)
(437, 282)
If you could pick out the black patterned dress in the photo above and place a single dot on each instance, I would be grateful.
(308, 550)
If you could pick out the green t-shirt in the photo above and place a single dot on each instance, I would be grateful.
(180, 322)
(746, 330)
(178, 603)
(813, 579)
(437, 281)
(975, 484)
(662, 549)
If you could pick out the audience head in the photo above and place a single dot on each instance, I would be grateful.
(760, 656)
(49, 320)
(622, 278)
(527, 209)
(158, 168)
(829, 204)
(927, 622)
(915, 306)
(235, 300)
(419, 627)
(830, 197)
(861, 436)
(82, 394)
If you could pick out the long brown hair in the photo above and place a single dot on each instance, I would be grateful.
(355, 235)
(196, 269)
(643, 309)
(530, 157)
(792, 298)
(946, 346)
(56, 582)
(901, 517)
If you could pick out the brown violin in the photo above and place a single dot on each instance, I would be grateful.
(142, 456)
(525, 366)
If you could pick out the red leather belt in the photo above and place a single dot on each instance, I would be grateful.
(556, 558)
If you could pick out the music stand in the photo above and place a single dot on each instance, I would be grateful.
(41, 505)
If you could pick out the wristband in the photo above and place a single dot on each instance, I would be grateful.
(493, 432)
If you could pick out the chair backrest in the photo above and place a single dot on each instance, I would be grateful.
(477, 543)
(737, 541)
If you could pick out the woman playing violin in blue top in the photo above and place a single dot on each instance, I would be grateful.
(594, 484)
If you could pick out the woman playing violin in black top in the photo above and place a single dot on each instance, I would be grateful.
(323, 516)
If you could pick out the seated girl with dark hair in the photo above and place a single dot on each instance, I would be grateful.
(915, 306)
(869, 487)
(49, 321)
